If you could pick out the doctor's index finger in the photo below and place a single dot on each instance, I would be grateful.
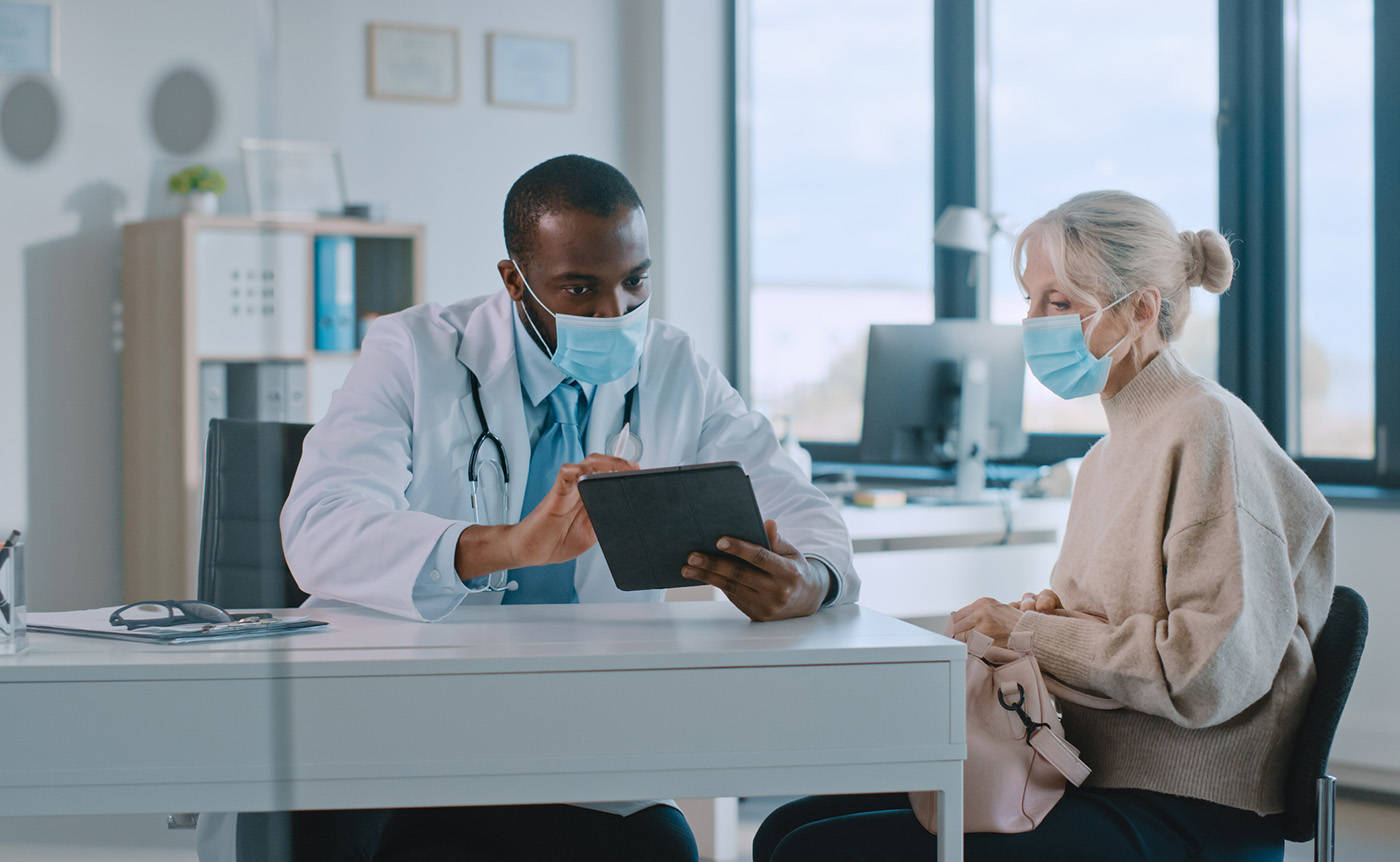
(600, 463)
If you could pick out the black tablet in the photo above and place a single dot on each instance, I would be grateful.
(649, 521)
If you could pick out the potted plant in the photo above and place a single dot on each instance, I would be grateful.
(200, 186)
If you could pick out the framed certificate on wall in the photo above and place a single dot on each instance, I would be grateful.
(413, 62)
(530, 71)
(28, 38)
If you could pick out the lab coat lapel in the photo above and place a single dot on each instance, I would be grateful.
(488, 349)
(605, 414)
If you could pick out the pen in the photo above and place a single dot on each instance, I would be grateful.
(4, 555)
(621, 439)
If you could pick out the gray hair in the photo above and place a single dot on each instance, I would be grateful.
(1105, 245)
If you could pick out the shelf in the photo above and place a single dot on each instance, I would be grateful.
(336, 226)
(180, 282)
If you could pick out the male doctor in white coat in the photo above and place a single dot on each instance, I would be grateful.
(384, 511)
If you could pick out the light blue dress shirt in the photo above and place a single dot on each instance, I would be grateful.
(438, 589)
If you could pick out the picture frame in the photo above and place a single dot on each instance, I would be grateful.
(29, 37)
(292, 179)
(530, 71)
(413, 62)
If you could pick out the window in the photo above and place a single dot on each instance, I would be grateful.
(1275, 121)
(1100, 94)
(1336, 230)
(841, 111)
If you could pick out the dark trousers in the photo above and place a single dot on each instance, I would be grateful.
(1085, 825)
(491, 833)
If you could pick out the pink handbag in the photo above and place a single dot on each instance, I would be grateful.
(1017, 757)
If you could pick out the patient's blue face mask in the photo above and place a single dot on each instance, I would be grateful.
(1060, 358)
(594, 350)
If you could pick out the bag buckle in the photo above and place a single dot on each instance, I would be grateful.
(1019, 708)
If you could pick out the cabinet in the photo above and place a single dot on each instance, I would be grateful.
(219, 319)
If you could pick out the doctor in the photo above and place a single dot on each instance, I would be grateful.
(446, 468)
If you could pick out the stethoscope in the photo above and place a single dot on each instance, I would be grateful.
(624, 444)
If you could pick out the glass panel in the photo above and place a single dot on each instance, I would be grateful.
(1094, 94)
(1336, 229)
(842, 194)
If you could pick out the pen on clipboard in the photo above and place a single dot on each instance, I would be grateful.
(621, 439)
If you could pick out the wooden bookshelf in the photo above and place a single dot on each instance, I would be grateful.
(162, 441)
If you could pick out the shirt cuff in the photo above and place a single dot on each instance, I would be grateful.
(438, 590)
(836, 585)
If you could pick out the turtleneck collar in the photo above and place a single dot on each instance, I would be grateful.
(1158, 383)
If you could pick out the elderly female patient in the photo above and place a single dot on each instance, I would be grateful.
(1195, 572)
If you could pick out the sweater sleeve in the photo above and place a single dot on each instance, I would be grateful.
(1213, 651)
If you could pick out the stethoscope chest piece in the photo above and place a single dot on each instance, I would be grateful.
(625, 445)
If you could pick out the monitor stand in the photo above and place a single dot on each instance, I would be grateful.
(974, 404)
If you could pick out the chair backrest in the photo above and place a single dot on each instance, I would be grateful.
(1336, 653)
(248, 472)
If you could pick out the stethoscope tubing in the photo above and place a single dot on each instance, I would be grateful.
(486, 435)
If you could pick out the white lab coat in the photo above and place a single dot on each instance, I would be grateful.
(383, 477)
(382, 485)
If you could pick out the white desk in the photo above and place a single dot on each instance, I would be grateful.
(495, 705)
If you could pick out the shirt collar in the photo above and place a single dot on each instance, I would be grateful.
(538, 376)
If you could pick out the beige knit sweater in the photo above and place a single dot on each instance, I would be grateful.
(1208, 554)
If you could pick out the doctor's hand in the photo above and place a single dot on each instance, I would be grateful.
(559, 529)
(764, 584)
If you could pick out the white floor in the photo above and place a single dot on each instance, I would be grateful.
(1366, 832)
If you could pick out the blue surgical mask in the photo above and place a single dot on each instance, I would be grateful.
(594, 350)
(1060, 358)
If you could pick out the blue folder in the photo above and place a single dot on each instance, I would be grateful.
(335, 293)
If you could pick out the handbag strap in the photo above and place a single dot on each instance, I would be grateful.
(1077, 697)
(1042, 737)
(1022, 643)
(1059, 754)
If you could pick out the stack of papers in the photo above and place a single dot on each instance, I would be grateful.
(95, 624)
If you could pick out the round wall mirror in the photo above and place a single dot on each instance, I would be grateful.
(184, 109)
(29, 120)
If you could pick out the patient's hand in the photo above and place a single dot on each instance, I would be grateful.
(988, 616)
(1045, 602)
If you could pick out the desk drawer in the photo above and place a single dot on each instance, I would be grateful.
(475, 726)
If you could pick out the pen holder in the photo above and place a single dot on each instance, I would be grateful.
(13, 638)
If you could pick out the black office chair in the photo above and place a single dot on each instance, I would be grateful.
(248, 472)
(1310, 797)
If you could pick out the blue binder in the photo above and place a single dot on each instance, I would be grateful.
(335, 293)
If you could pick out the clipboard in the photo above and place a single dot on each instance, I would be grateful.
(94, 624)
(649, 521)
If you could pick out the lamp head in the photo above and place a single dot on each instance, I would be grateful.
(963, 228)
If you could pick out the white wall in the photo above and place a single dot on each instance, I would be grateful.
(446, 166)
(60, 429)
(677, 152)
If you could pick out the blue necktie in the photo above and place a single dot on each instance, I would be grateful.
(559, 444)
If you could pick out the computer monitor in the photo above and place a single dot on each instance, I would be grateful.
(943, 393)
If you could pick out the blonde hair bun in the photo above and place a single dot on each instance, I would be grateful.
(1208, 260)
